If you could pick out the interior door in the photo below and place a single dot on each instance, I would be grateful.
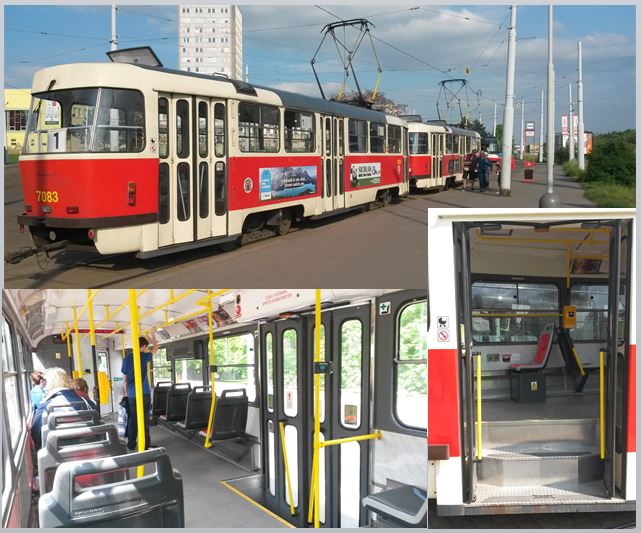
(464, 319)
(338, 154)
(287, 374)
(617, 359)
(175, 187)
(104, 365)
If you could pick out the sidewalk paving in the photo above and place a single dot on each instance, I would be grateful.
(524, 194)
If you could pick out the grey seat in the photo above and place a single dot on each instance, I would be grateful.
(78, 406)
(198, 407)
(62, 446)
(67, 419)
(177, 402)
(404, 506)
(230, 415)
(159, 399)
(154, 500)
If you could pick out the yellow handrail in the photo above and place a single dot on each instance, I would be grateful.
(578, 361)
(135, 333)
(514, 315)
(287, 478)
(68, 341)
(601, 405)
(77, 340)
(479, 438)
(315, 462)
(212, 376)
(333, 442)
(172, 300)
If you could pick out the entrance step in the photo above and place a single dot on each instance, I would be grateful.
(498, 434)
(540, 464)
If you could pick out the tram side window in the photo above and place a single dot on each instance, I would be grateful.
(377, 138)
(591, 312)
(299, 132)
(491, 298)
(258, 128)
(10, 386)
(357, 136)
(418, 143)
(162, 367)
(448, 143)
(394, 140)
(163, 128)
(189, 371)
(182, 128)
(351, 363)
(455, 144)
(410, 386)
(235, 360)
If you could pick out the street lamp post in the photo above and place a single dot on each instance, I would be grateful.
(508, 114)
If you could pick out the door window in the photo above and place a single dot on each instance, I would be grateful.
(182, 128)
(163, 193)
(290, 372)
(219, 130)
(269, 355)
(163, 128)
(203, 190)
(203, 144)
(183, 198)
(351, 363)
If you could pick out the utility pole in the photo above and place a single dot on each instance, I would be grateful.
(481, 117)
(522, 128)
(571, 128)
(114, 34)
(581, 134)
(549, 199)
(494, 122)
(541, 129)
(508, 113)
(247, 73)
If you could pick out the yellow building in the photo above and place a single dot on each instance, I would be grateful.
(16, 108)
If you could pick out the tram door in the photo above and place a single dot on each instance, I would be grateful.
(436, 158)
(333, 172)
(288, 388)
(616, 439)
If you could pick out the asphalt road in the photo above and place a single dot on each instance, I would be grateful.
(385, 247)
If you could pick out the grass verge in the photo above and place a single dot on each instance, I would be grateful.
(610, 195)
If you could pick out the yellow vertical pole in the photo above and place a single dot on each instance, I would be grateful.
(92, 338)
(135, 334)
(478, 407)
(601, 404)
(317, 412)
(67, 332)
(77, 339)
(212, 377)
(312, 492)
(281, 428)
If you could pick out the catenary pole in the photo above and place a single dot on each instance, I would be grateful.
(571, 128)
(522, 129)
(549, 199)
(581, 133)
(114, 34)
(541, 128)
(494, 122)
(508, 113)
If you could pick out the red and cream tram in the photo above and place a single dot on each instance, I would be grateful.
(532, 361)
(139, 158)
(438, 154)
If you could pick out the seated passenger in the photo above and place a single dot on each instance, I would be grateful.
(58, 393)
(81, 387)
(38, 388)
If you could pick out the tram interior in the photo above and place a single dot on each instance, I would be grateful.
(539, 407)
(259, 468)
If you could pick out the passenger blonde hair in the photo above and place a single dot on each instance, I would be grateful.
(57, 378)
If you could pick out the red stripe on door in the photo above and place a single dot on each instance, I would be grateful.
(443, 400)
(632, 399)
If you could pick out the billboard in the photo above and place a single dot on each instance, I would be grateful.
(283, 182)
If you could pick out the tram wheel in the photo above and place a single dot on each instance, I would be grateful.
(283, 227)
(386, 198)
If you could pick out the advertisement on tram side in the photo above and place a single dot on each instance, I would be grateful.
(284, 182)
(362, 174)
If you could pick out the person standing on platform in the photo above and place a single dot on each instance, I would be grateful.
(129, 386)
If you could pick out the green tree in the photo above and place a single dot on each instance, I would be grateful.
(382, 102)
(474, 125)
(613, 159)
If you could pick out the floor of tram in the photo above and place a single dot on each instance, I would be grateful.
(209, 503)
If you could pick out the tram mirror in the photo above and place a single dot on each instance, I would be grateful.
(142, 55)
(323, 367)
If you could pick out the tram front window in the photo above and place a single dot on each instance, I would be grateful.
(85, 120)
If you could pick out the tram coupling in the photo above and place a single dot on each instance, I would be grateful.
(16, 257)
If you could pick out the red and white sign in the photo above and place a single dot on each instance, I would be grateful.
(443, 335)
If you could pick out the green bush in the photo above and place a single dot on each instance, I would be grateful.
(612, 160)
(572, 169)
(561, 155)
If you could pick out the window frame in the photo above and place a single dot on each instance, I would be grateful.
(396, 361)
(261, 128)
(374, 136)
(358, 135)
(605, 312)
(299, 130)
(391, 127)
(417, 143)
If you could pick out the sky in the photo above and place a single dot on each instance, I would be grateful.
(418, 46)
